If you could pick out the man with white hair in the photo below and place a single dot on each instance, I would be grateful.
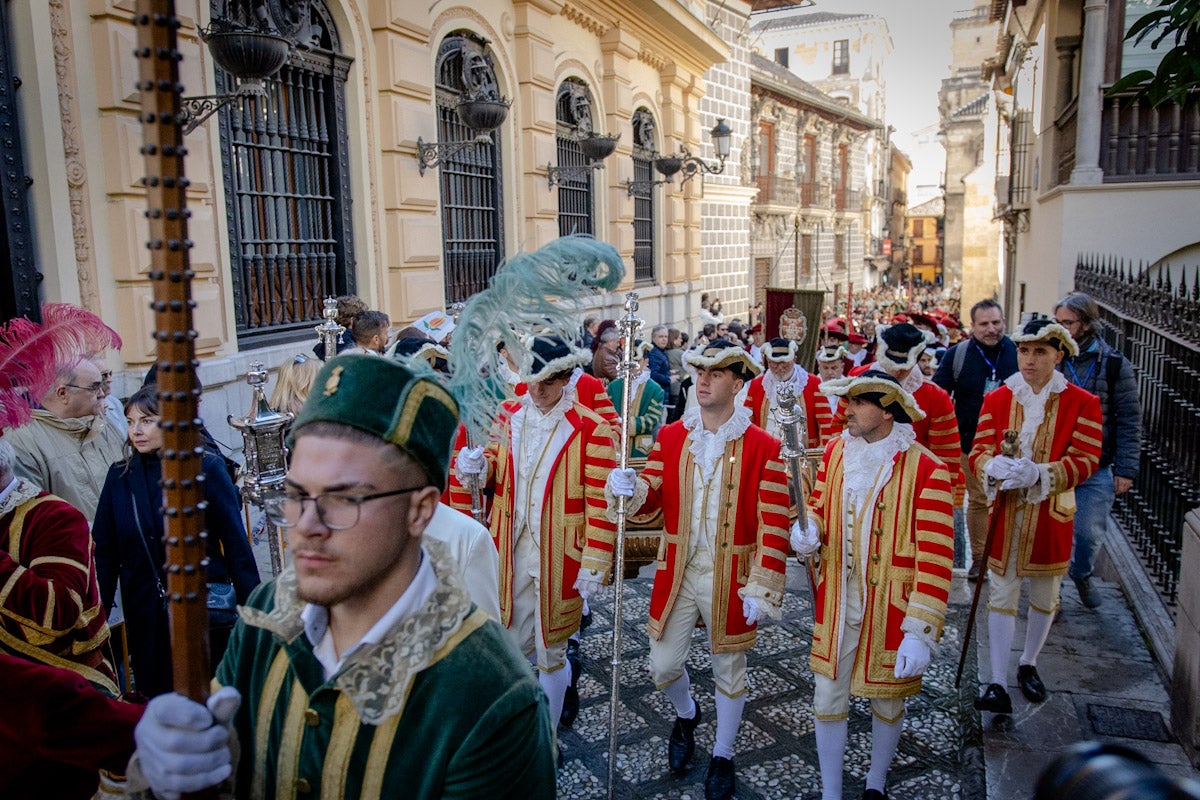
(68, 446)
(762, 396)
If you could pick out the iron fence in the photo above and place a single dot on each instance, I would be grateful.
(1154, 319)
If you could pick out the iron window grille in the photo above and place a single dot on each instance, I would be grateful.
(644, 153)
(288, 202)
(576, 200)
(471, 187)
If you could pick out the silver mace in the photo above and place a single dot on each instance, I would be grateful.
(628, 325)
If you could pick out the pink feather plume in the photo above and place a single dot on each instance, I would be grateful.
(30, 354)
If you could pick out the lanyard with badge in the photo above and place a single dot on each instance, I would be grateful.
(1075, 375)
(991, 383)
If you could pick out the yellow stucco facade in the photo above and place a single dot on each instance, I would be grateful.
(80, 108)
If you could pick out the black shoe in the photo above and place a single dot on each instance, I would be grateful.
(570, 709)
(1031, 685)
(584, 621)
(995, 699)
(719, 783)
(974, 572)
(1087, 594)
(874, 794)
(682, 743)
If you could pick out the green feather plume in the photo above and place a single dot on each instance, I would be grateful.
(539, 292)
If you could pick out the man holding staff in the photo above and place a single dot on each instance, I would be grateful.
(723, 492)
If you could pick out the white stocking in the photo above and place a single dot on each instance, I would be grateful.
(555, 684)
(1036, 631)
(679, 692)
(729, 719)
(831, 751)
(885, 737)
(1001, 629)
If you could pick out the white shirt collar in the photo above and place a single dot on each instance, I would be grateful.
(316, 620)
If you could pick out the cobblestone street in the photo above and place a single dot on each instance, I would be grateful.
(940, 754)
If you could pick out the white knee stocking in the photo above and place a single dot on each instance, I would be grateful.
(1001, 628)
(679, 692)
(831, 750)
(885, 737)
(729, 719)
(555, 684)
(1036, 631)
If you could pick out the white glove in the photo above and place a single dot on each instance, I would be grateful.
(621, 482)
(588, 583)
(807, 541)
(183, 746)
(1000, 468)
(471, 461)
(751, 610)
(1025, 474)
(912, 657)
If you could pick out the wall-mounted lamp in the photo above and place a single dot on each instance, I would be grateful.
(595, 149)
(482, 112)
(688, 164)
(251, 54)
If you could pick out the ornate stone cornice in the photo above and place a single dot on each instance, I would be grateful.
(656, 60)
(75, 164)
(588, 22)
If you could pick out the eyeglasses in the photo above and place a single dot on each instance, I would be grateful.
(1066, 323)
(337, 512)
(94, 388)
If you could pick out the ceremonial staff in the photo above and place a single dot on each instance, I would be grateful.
(629, 326)
(171, 277)
(792, 424)
(1011, 447)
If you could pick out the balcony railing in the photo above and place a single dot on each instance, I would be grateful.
(814, 195)
(1142, 143)
(847, 200)
(776, 191)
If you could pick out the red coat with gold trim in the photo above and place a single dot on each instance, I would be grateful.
(574, 529)
(908, 574)
(816, 409)
(752, 529)
(1066, 449)
(50, 609)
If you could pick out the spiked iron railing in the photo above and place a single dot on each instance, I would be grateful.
(1153, 317)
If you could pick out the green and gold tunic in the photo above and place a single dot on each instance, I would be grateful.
(442, 707)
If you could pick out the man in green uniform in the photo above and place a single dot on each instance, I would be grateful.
(365, 669)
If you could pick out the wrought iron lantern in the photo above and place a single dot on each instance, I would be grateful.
(721, 136)
(251, 54)
(595, 147)
(481, 112)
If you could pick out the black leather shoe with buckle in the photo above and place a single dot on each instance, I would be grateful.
(682, 743)
(719, 783)
(570, 709)
(1031, 683)
(995, 699)
(874, 794)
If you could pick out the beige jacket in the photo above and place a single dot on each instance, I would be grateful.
(67, 457)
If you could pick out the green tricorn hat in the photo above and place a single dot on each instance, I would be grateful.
(386, 398)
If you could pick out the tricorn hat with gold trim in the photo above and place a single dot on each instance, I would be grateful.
(1048, 331)
(722, 354)
(387, 399)
(780, 350)
(879, 388)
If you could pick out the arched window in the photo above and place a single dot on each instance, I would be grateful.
(575, 194)
(644, 152)
(287, 178)
(472, 210)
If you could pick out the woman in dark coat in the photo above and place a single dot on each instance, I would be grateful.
(128, 532)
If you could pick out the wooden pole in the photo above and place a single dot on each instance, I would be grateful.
(178, 392)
